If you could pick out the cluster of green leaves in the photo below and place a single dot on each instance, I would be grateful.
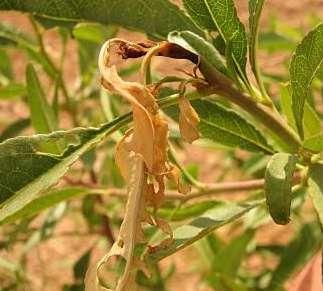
(212, 30)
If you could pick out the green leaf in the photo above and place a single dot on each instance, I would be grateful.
(41, 113)
(299, 251)
(221, 16)
(186, 212)
(93, 32)
(315, 186)
(226, 127)
(44, 201)
(82, 265)
(12, 90)
(229, 258)
(278, 186)
(201, 47)
(314, 143)
(155, 17)
(17, 38)
(13, 129)
(311, 121)
(255, 9)
(275, 42)
(203, 225)
(5, 64)
(305, 62)
(26, 170)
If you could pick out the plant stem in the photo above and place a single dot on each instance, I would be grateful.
(265, 115)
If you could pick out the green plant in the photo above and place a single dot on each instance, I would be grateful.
(217, 101)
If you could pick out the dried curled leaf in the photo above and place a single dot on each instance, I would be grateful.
(188, 120)
(130, 230)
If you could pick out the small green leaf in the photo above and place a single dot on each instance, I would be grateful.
(12, 90)
(93, 32)
(226, 127)
(199, 46)
(315, 185)
(155, 17)
(26, 170)
(278, 186)
(203, 225)
(221, 16)
(255, 9)
(299, 251)
(305, 62)
(41, 113)
(314, 143)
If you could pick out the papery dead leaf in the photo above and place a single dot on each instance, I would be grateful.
(175, 176)
(188, 120)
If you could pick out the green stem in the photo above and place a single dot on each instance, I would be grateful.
(268, 117)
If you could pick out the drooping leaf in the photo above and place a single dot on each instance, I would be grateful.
(299, 251)
(255, 9)
(155, 17)
(26, 170)
(12, 91)
(199, 46)
(305, 62)
(221, 16)
(314, 143)
(228, 128)
(41, 113)
(315, 184)
(278, 186)
(202, 225)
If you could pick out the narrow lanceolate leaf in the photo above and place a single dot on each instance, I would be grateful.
(311, 121)
(221, 15)
(12, 91)
(306, 61)
(255, 8)
(42, 202)
(203, 225)
(315, 184)
(226, 127)
(41, 113)
(314, 143)
(26, 170)
(299, 251)
(156, 17)
(278, 186)
(201, 47)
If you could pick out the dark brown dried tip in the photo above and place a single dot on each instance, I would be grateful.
(170, 50)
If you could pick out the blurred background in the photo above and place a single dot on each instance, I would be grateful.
(51, 251)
